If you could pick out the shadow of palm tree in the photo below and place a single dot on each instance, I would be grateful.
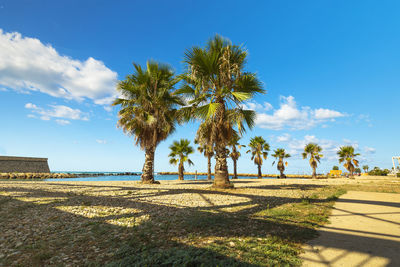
(139, 227)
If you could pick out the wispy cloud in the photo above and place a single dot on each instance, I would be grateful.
(369, 150)
(108, 108)
(365, 118)
(101, 141)
(324, 114)
(257, 106)
(61, 112)
(290, 116)
(63, 122)
(330, 147)
(26, 64)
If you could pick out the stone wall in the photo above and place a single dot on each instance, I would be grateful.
(24, 164)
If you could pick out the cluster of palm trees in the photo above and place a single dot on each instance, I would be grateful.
(212, 90)
(259, 148)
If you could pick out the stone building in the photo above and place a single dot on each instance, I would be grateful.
(23, 164)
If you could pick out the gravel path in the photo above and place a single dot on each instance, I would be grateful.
(364, 231)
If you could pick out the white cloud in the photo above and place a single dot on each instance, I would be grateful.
(369, 150)
(296, 146)
(26, 64)
(329, 147)
(62, 122)
(289, 115)
(257, 106)
(101, 141)
(283, 138)
(56, 111)
(108, 108)
(322, 113)
(365, 118)
(267, 106)
(348, 142)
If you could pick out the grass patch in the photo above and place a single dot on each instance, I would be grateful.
(336, 195)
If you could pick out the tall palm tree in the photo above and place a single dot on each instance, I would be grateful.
(365, 168)
(205, 146)
(280, 154)
(180, 152)
(259, 150)
(148, 109)
(314, 151)
(217, 86)
(235, 153)
(346, 154)
(208, 153)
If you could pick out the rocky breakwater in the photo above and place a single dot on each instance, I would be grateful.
(96, 174)
(32, 175)
(249, 175)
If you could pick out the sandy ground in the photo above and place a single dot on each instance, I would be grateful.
(364, 231)
(85, 222)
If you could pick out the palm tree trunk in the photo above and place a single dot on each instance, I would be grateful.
(221, 176)
(180, 170)
(314, 173)
(351, 169)
(234, 169)
(148, 167)
(259, 171)
(281, 168)
(209, 168)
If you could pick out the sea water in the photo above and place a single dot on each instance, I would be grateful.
(157, 177)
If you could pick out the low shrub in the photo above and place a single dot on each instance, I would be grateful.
(378, 172)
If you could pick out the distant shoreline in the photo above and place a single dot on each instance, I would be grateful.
(70, 174)
(245, 175)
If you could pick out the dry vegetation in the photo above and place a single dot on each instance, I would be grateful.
(260, 222)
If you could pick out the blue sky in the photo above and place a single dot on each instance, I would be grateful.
(331, 70)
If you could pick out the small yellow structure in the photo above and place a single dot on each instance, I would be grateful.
(335, 173)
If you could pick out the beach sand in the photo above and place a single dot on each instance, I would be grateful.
(50, 223)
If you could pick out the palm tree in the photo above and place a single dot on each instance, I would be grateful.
(208, 153)
(259, 149)
(148, 109)
(365, 168)
(235, 153)
(346, 154)
(205, 146)
(314, 151)
(180, 152)
(217, 86)
(280, 154)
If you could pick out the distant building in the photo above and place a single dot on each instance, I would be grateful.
(23, 164)
(335, 173)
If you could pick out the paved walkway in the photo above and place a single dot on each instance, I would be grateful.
(364, 231)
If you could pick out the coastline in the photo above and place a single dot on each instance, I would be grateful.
(61, 175)
(248, 175)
